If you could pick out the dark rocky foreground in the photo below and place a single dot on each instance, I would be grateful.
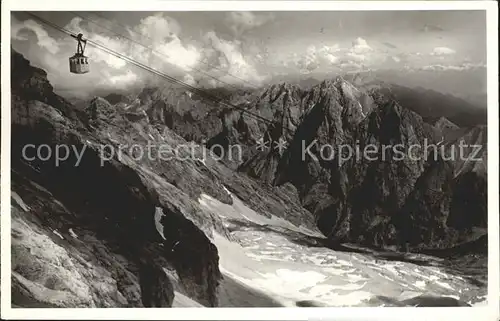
(129, 231)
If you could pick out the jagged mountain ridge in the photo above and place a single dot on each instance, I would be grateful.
(462, 96)
(336, 112)
(424, 102)
(428, 103)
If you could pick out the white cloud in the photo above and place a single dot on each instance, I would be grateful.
(356, 57)
(233, 61)
(165, 47)
(176, 53)
(324, 58)
(43, 39)
(164, 51)
(313, 58)
(359, 55)
(348, 66)
(242, 21)
(403, 57)
(162, 34)
(52, 62)
(440, 51)
(189, 79)
(119, 81)
(459, 67)
(158, 27)
(326, 54)
(229, 60)
(360, 45)
(102, 56)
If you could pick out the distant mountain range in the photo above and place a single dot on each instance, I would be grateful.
(420, 91)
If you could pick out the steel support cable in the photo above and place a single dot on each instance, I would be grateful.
(193, 89)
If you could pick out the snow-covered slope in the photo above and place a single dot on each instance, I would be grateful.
(270, 257)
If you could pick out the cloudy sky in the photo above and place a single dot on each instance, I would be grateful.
(251, 48)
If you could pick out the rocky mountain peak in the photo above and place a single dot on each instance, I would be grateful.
(275, 90)
(99, 109)
(444, 124)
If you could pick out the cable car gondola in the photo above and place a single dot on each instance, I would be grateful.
(79, 63)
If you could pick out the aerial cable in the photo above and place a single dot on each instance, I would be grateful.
(193, 89)
(157, 52)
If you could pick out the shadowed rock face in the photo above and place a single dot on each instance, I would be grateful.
(308, 304)
(422, 219)
(365, 192)
(469, 202)
(156, 288)
(110, 206)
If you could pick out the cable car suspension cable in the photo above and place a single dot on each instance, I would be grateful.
(156, 52)
(193, 89)
(205, 63)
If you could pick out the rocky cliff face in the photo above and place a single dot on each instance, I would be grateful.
(97, 224)
(355, 199)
